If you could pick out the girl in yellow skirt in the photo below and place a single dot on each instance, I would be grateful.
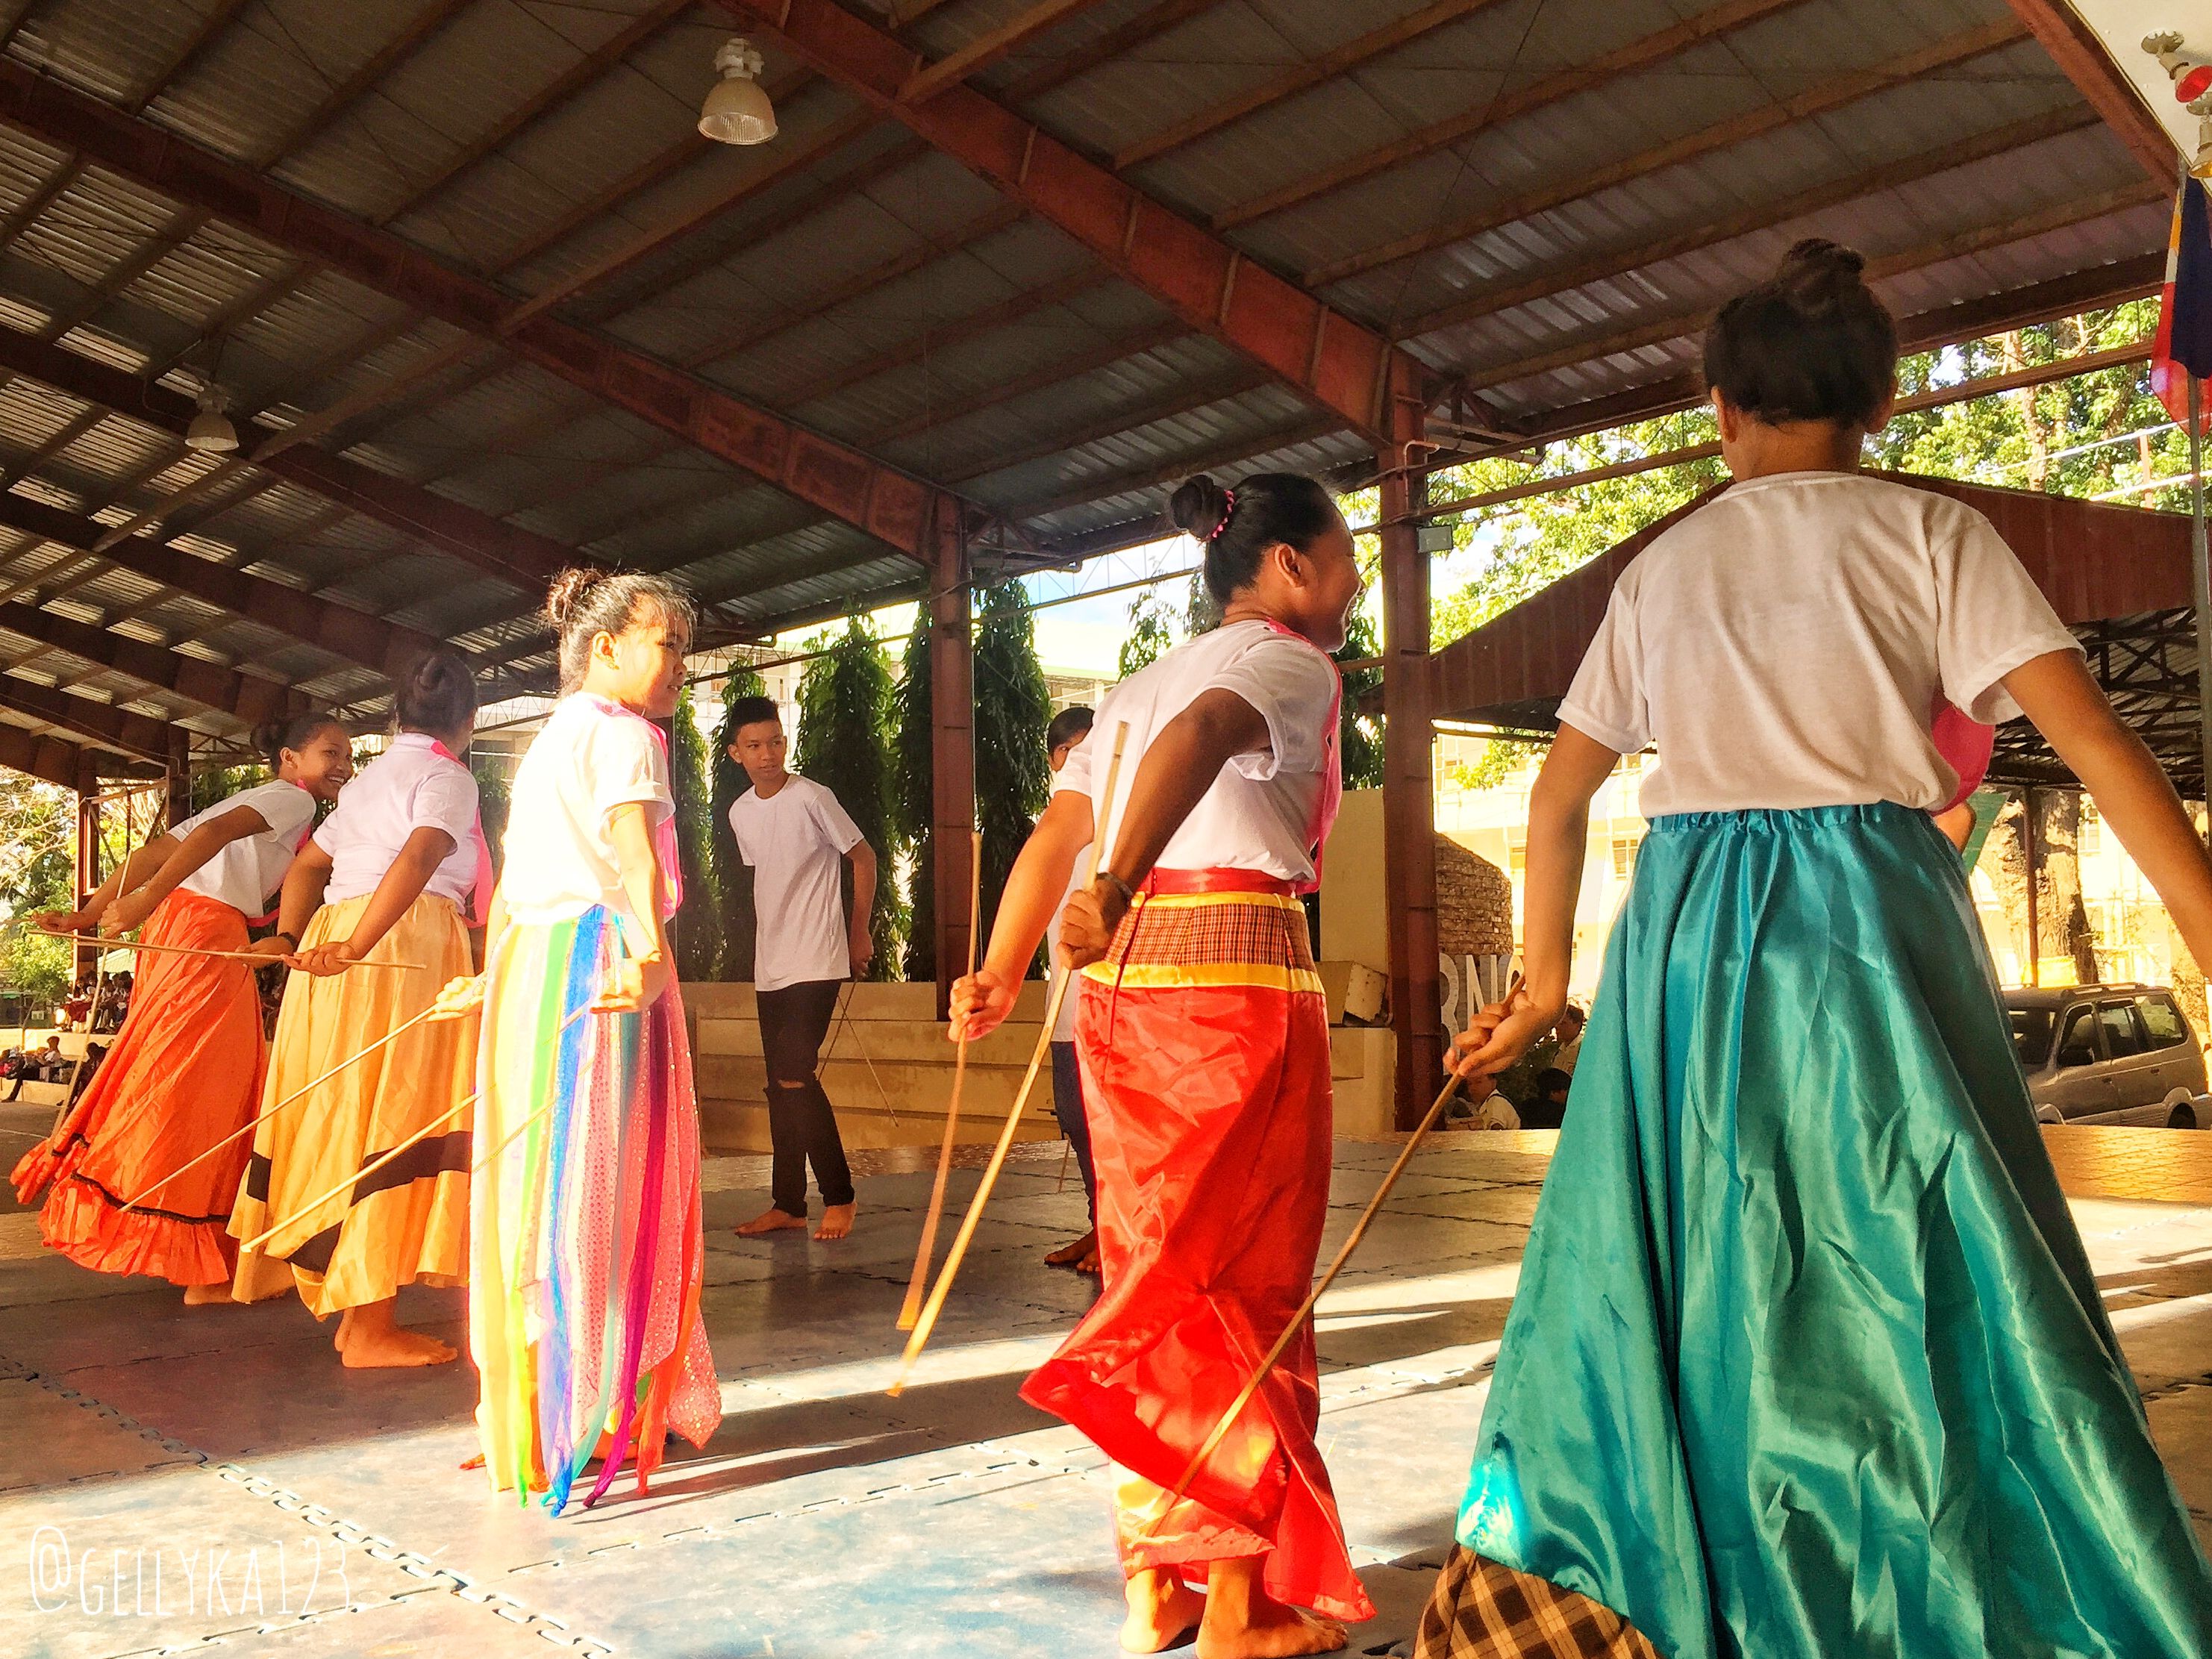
(393, 870)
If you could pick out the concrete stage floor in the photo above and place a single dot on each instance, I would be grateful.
(211, 1478)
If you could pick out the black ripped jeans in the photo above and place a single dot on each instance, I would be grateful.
(800, 1125)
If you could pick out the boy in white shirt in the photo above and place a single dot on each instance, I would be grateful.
(796, 836)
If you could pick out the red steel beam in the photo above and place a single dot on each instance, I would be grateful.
(1340, 365)
(855, 487)
(140, 736)
(43, 755)
(246, 698)
(2077, 51)
(382, 646)
(990, 47)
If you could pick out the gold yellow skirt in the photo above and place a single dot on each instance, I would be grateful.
(407, 1221)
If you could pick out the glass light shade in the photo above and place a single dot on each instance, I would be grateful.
(738, 112)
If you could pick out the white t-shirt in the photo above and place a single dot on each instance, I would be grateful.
(410, 786)
(590, 757)
(796, 841)
(1063, 1029)
(246, 872)
(1259, 813)
(1784, 646)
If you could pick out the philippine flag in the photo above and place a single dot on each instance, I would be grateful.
(2185, 313)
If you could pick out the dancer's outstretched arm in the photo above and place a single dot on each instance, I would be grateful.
(982, 1002)
(1558, 836)
(2134, 796)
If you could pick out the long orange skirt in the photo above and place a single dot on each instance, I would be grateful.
(184, 1072)
(1204, 1043)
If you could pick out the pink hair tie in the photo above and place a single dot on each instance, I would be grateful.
(1227, 507)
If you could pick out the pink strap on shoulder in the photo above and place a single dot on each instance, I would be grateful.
(1331, 796)
(480, 888)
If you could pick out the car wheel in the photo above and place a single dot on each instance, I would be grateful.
(2182, 1117)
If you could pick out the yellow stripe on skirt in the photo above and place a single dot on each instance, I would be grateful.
(407, 1223)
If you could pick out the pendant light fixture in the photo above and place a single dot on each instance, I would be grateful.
(211, 431)
(736, 110)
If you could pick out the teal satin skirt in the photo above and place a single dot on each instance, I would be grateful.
(1806, 1360)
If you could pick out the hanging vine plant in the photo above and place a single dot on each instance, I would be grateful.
(1012, 707)
(733, 876)
(844, 744)
(914, 804)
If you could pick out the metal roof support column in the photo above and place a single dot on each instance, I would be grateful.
(178, 804)
(84, 959)
(953, 739)
(1409, 811)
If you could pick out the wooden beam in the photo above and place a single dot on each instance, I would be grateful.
(138, 737)
(1334, 361)
(1681, 324)
(1756, 122)
(581, 74)
(1145, 26)
(246, 698)
(1492, 298)
(952, 748)
(1052, 372)
(1297, 77)
(522, 557)
(43, 755)
(2077, 51)
(1191, 395)
(887, 504)
(959, 330)
(1409, 827)
(1228, 452)
(989, 47)
(353, 635)
(1571, 82)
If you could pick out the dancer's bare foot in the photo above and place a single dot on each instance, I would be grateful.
(371, 1339)
(1163, 1611)
(1084, 1249)
(1089, 1265)
(1243, 1621)
(769, 1221)
(837, 1221)
(206, 1296)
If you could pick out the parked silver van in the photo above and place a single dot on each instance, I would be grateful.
(2109, 1053)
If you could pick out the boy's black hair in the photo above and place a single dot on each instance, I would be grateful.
(1551, 1081)
(1068, 726)
(750, 711)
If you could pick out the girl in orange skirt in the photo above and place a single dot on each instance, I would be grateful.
(185, 1069)
(387, 879)
(1203, 1040)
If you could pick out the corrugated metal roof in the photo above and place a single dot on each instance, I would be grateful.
(516, 442)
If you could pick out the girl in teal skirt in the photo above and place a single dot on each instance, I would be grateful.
(1806, 1361)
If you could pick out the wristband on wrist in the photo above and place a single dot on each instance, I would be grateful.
(291, 940)
(1129, 893)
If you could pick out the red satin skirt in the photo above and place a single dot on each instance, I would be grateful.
(1203, 1039)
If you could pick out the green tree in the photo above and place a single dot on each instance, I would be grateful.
(913, 798)
(1359, 737)
(37, 871)
(844, 744)
(697, 926)
(1150, 635)
(1013, 771)
(733, 876)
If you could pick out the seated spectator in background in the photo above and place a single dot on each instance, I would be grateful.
(1568, 1033)
(1549, 1108)
(76, 1007)
(48, 1064)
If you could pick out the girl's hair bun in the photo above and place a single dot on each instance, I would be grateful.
(1817, 252)
(568, 589)
(272, 737)
(1198, 507)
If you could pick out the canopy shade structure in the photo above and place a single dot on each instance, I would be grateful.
(2119, 576)
(482, 300)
